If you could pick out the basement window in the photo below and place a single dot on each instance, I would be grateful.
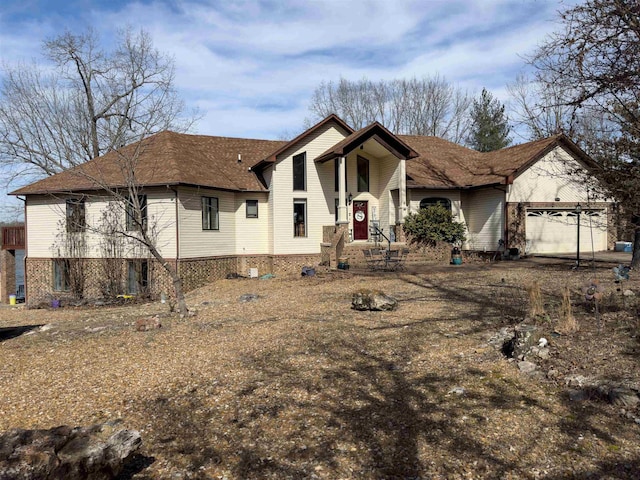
(137, 276)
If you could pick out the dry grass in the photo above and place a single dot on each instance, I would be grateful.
(297, 385)
(568, 323)
(536, 305)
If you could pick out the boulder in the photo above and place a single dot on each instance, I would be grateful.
(373, 300)
(98, 452)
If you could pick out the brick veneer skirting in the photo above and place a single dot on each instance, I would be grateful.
(194, 273)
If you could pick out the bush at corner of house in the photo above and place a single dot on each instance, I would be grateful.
(434, 224)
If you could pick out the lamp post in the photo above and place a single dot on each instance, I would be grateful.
(578, 212)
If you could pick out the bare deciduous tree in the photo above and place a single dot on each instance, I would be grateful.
(85, 102)
(426, 106)
(594, 63)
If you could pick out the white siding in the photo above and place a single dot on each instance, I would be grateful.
(252, 234)
(45, 221)
(319, 194)
(484, 211)
(553, 176)
(195, 242)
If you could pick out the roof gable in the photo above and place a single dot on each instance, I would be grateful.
(333, 118)
(391, 142)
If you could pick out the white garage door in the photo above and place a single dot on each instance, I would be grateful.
(556, 231)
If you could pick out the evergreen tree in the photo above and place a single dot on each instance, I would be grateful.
(490, 127)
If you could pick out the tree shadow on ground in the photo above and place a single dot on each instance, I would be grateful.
(345, 405)
(7, 333)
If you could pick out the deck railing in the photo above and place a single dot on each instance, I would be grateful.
(13, 238)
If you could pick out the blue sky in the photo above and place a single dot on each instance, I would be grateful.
(251, 66)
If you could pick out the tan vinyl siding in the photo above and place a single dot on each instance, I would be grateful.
(388, 179)
(196, 242)
(319, 194)
(46, 225)
(551, 177)
(484, 210)
(252, 234)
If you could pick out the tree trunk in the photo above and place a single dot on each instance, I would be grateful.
(635, 259)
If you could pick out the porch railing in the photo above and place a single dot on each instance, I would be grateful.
(13, 238)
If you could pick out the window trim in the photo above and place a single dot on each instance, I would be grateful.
(303, 157)
(251, 215)
(212, 223)
(304, 223)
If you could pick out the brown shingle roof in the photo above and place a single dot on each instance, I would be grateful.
(443, 164)
(169, 158)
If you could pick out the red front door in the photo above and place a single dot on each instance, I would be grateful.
(360, 220)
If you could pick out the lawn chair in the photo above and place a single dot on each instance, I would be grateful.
(373, 259)
(392, 261)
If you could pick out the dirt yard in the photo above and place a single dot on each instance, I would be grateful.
(295, 384)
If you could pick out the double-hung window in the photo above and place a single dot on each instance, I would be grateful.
(299, 217)
(252, 208)
(61, 276)
(210, 214)
(137, 276)
(137, 213)
(76, 219)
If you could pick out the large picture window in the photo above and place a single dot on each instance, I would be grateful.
(300, 218)
(137, 213)
(210, 214)
(76, 219)
(431, 201)
(299, 171)
(363, 174)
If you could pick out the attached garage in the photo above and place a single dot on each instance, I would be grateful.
(556, 230)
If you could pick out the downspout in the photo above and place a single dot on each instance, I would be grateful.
(508, 182)
(175, 191)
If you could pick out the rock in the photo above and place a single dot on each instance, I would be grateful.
(628, 293)
(552, 374)
(457, 391)
(373, 300)
(623, 396)
(248, 297)
(576, 381)
(543, 353)
(526, 367)
(578, 395)
(146, 324)
(95, 453)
